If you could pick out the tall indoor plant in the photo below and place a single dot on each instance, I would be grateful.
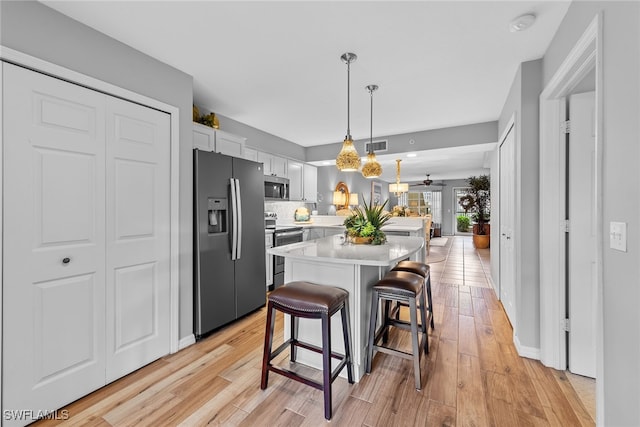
(480, 191)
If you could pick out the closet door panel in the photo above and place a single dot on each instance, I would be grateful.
(54, 241)
(138, 286)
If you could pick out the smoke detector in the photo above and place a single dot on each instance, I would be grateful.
(522, 22)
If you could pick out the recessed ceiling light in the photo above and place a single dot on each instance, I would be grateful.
(522, 22)
(412, 155)
(326, 163)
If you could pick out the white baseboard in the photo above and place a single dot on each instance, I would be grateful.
(186, 341)
(493, 285)
(528, 352)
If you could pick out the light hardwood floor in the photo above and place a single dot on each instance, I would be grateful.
(473, 375)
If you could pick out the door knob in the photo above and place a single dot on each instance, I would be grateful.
(66, 260)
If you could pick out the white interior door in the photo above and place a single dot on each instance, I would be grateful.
(54, 242)
(581, 246)
(137, 235)
(507, 221)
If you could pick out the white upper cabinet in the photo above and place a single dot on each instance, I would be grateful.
(303, 181)
(250, 154)
(273, 165)
(206, 138)
(229, 144)
(265, 159)
(310, 183)
(296, 183)
(279, 166)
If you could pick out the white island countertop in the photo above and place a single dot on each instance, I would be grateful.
(334, 250)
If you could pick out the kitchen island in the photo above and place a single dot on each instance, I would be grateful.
(355, 268)
(328, 225)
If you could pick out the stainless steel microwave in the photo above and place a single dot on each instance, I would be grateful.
(276, 188)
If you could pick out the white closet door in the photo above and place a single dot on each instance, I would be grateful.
(54, 241)
(507, 225)
(138, 286)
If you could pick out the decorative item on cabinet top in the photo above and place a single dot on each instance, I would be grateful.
(210, 119)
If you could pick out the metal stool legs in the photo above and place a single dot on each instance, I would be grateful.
(413, 325)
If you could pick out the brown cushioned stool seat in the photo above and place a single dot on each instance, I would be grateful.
(425, 271)
(311, 301)
(407, 288)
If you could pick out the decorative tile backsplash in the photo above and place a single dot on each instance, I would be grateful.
(285, 210)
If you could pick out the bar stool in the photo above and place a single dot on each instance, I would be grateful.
(405, 287)
(311, 301)
(425, 271)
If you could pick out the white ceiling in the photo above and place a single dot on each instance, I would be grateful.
(276, 65)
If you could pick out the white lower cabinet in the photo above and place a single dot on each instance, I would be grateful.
(268, 243)
(315, 233)
(86, 240)
(333, 231)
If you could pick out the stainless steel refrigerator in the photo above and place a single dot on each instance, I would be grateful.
(229, 252)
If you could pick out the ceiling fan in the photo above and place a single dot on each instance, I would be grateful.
(427, 182)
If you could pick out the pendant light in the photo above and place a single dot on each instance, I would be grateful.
(348, 159)
(399, 187)
(372, 168)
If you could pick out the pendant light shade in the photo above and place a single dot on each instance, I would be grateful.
(371, 168)
(348, 159)
(399, 187)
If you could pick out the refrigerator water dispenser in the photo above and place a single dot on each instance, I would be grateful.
(217, 215)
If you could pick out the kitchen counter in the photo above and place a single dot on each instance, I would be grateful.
(327, 225)
(334, 249)
(355, 268)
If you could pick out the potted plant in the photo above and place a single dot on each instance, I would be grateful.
(463, 223)
(479, 203)
(365, 224)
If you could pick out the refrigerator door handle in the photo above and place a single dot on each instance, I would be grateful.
(234, 220)
(239, 215)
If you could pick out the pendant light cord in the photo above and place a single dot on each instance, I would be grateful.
(371, 124)
(348, 99)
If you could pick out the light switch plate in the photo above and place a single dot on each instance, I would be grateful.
(618, 236)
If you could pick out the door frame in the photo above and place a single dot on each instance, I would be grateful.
(585, 56)
(39, 65)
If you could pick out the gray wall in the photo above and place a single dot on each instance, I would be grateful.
(621, 153)
(39, 31)
(329, 176)
(456, 136)
(523, 100)
(263, 141)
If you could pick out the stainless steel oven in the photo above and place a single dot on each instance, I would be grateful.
(283, 236)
